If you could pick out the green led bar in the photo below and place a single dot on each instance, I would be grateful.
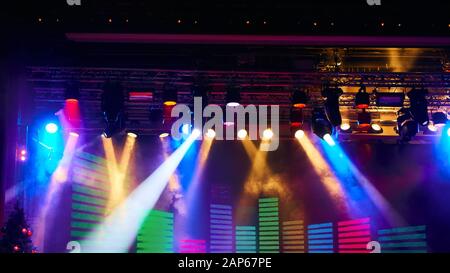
(156, 233)
(269, 230)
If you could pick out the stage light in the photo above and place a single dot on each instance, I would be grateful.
(233, 96)
(320, 124)
(51, 128)
(419, 105)
(448, 132)
(329, 140)
(133, 135)
(23, 158)
(23, 152)
(73, 134)
(299, 99)
(196, 133)
(112, 107)
(439, 119)
(332, 105)
(407, 127)
(170, 95)
(376, 127)
(242, 134)
(163, 135)
(210, 134)
(72, 91)
(299, 134)
(362, 98)
(296, 117)
(185, 129)
(345, 127)
(267, 134)
(432, 128)
(364, 120)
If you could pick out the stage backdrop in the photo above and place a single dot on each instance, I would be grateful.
(227, 196)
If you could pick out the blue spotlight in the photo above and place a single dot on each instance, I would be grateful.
(51, 128)
(329, 140)
(185, 129)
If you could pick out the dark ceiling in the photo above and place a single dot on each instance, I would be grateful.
(231, 16)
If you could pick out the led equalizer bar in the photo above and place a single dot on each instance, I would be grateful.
(354, 235)
(192, 246)
(293, 235)
(269, 232)
(245, 239)
(221, 229)
(89, 195)
(156, 233)
(320, 238)
(411, 239)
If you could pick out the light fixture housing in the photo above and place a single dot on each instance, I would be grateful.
(299, 99)
(233, 96)
(112, 107)
(362, 98)
(439, 119)
(419, 105)
(170, 95)
(407, 127)
(364, 120)
(320, 124)
(332, 105)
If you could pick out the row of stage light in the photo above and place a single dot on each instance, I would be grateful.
(326, 120)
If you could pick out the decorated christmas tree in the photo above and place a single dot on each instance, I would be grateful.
(16, 234)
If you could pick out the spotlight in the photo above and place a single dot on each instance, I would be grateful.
(170, 96)
(72, 91)
(23, 152)
(364, 120)
(196, 133)
(432, 128)
(329, 140)
(23, 158)
(320, 124)
(163, 135)
(299, 99)
(133, 135)
(112, 107)
(296, 117)
(242, 134)
(299, 134)
(74, 134)
(362, 98)
(51, 128)
(211, 134)
(376, 128)
(439, 119)
(267, 134)
(407, 127)
(185, 129)
(233, 96)
(346, 128)
(448, 132)
(419, 105)
(332, 105)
